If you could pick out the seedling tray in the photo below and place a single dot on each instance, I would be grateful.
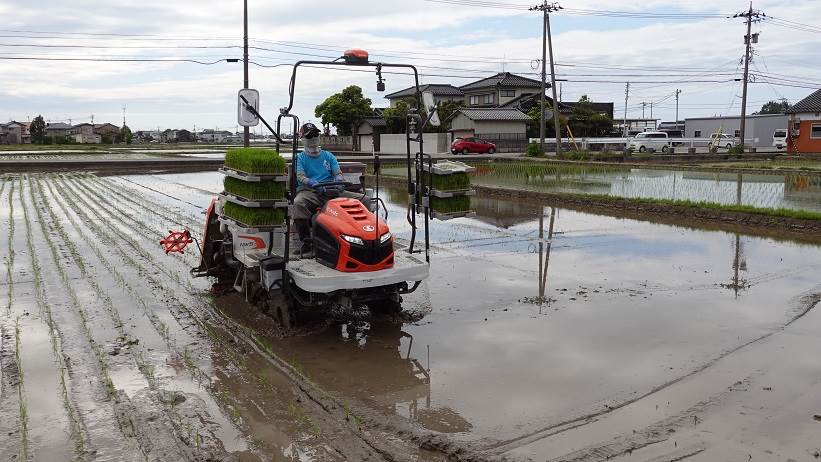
(252, 177)
(448, 167)
(249, 228)
(447, 194)
(277, 204)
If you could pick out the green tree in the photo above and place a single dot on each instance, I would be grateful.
(535, 115)
(344, 109)
(125, 135)
(774, 107)
(396, 117)
(37, 129)
(584, 121)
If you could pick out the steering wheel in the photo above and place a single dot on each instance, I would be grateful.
(332, 189)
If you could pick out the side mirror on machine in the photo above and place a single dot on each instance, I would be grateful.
(248, 107)
(430, 107)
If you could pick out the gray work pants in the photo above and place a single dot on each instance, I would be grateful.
(307, 202)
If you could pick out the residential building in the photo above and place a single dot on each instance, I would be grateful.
(442, 92)
(499, 89)
(209, 135)
(369, 131)
(805, 125)
(16, 132)
(492, 124)
(107, 131)
(82, 129)
(528, 101)
(760, 128)
(57, 129)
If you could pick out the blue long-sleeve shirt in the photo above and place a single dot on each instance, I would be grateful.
(321, 168)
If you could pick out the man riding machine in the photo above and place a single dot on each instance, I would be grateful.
(319, 180)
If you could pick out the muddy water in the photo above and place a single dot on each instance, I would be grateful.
(628, 308)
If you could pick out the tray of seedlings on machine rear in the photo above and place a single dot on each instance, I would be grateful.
(255, 184)
(450, 189)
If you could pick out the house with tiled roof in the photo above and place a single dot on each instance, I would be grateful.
(494, 124)
(442, 93)
(805, 125)
(499, 89)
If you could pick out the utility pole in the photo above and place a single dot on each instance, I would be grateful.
(643, 105)
(749, 38)
(651, 115)
(626, 98)
(246, 131)
(547, 42)
(678, 92)
(123, 115)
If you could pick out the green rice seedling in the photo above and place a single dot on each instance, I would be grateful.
(259, 191)
(453, 182)
(450, 204)
(254, 216)
(255, 160)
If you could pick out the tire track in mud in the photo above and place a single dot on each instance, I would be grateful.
(190, 315)
(381, 425)
(77, 434)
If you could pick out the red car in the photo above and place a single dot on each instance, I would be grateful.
(468, 145)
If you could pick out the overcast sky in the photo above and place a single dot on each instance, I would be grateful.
(451, 43)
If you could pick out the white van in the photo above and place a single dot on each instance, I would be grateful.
(650, 141)
(780, 138)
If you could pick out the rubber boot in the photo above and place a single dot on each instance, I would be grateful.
(303, 228)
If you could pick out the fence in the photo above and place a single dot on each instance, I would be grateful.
(506, 142)
(620, 144)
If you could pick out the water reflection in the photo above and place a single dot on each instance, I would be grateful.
(379, 359)
(761, 190)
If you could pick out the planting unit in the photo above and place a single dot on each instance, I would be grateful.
(253, 204)
(449, 189)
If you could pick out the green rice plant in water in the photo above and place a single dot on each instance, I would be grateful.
(255, 160)
(260, 191)
(450, 204)
(453, 182)
(251, 216)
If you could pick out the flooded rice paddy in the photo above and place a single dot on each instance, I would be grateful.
(797, 192)
(606, 338)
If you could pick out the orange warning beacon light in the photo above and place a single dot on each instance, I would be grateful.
(355, 56)
(176, 241)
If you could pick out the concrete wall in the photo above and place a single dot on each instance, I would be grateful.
(760, 128)
(499, 126)
(433, 142)
(462, 123)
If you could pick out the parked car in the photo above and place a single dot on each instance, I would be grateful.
(650, 141)
(723, 140)
(468, 145)
(780, 138)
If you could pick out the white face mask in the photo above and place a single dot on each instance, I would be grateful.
(311, 146)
